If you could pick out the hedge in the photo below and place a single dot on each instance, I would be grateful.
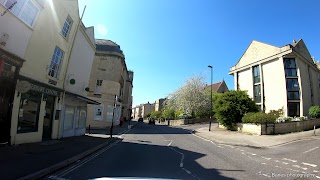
(258, 118)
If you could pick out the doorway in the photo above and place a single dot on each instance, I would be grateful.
(7, 90)
(47, 122)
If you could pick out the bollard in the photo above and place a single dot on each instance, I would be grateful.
(89, 129)
(314, 130)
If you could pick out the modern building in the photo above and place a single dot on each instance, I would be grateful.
(110, 84)
(275, 78)
(219, 87)
(159, 104)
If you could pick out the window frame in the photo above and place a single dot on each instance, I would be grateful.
(297, 108)
(66, 36)
(53, 63)
(19, 14)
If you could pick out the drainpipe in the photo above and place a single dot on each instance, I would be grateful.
(65, 74)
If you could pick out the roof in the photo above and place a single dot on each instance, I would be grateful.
(215, 86)
(107, 45)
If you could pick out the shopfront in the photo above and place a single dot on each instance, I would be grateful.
(75, 114)
(9, 69)
(36, 113)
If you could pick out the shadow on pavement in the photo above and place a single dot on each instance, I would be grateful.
(138, 160)
(145, 128)
(20, 160)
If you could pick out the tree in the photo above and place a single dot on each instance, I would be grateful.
(168, 113)
(191, 97)
(155, 114)
(231, 106)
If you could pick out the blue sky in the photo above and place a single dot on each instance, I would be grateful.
(167, 41)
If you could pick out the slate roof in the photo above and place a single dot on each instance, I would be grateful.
(107, 45)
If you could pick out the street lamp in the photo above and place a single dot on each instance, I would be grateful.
(210, 99)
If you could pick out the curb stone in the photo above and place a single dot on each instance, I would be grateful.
(64, 163)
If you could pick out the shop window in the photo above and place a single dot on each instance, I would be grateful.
(29, 112)
(82, 117)
(68, 118)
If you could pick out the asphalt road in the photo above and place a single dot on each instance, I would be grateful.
(149, 151)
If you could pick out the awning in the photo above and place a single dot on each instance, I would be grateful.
(89, 101)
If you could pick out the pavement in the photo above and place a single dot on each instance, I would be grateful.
(223, 136)
(35, 160)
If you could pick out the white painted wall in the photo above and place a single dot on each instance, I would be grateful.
(19, 33)
(274, 85)
(245, 81)
(80, 64)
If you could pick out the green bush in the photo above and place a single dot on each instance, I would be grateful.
(156, 114)
(231, 106)
(276, 113)
(258, 118)
(314, 111)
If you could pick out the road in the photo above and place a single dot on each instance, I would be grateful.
(149, 151)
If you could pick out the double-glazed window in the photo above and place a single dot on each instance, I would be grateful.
(55, 64)
(256, 84)
(66, 27)
(26, 10)
(29, 111)
(292, 84)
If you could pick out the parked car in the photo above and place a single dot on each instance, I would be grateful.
(152, 121)
(140, 119)
(185, 116)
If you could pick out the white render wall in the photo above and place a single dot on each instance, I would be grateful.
(245, 81)
(274, 83)
(80, 63)
(19, 33)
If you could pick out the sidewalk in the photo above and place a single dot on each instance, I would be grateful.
(222, 136)
(39, 159)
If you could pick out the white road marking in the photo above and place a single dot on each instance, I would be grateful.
(72, 168)
(297, 166)
(290, 169)
(170, 143)
(310, 150)
(312, 165)
(263, 163)
(243, 153)
(277, 166)
(276, 161)
(295, 170)
(266, 175)
(204, 139)
(315, 171)
(318, 177)
(241, 150)
(251, 153)
(265, 158)
(227, 145)
(220, 147)
(290, 160)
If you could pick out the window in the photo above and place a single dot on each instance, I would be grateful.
(99, 82)
(290, 67)
(68, 118)
(82, 117)
(257, 93)
(293, 89)
(56, 60)
(66, 27)
(29, 112)
(294, 109)
(25, 10)
(256, 74)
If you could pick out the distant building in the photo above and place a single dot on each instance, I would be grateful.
(284, 77)
(110, 84)
(146, 109)
(219, 87)
(159, 104)
(137, 112)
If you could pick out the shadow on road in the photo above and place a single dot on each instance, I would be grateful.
(145, 128)
(139, 160)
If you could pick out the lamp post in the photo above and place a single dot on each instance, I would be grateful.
(210, 99)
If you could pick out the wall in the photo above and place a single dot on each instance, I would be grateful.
(274, 84)
(46, 37)
(19, 33)
(245, 81)
(80, 64)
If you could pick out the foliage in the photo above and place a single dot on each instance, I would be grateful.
(148, 115)
(314, 111)
(192, 97)
(230, 107)
(168, 113)
(282, 119)
(258, 118)
(155, 114)
(177, 113)
(277, 113)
